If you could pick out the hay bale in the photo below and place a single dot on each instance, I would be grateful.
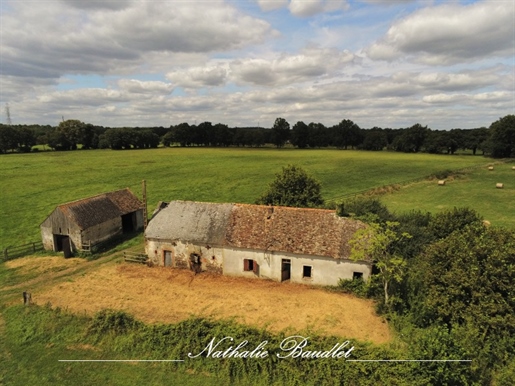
(441, 182)
(499, 185)
(490, 168)
(486, 223)
(513, 168)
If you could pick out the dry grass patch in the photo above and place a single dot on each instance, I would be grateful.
(34, 264)
(170, 295)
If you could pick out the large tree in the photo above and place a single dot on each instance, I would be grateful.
(280, 132)
(300, 135)
(376, 243)
(502, 137)
(293, 187)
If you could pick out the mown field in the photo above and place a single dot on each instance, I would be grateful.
(34, 184)
(475, 189)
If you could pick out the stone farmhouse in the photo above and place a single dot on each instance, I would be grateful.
(78, 225)
(255, 241)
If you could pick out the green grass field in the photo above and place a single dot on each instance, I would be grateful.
(475, 189)
(34, 184)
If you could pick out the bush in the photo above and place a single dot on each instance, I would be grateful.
(356, 287)
(366, 208)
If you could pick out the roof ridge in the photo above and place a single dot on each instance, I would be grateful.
(91, 197)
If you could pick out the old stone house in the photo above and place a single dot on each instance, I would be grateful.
(279, 243)
(80, 224)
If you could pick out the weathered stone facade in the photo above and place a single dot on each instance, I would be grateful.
(92, 220)
(278, 243)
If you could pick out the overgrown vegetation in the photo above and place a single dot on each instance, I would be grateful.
(453, 294)
(41, 336)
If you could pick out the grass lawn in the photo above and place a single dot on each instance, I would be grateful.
(34, 184)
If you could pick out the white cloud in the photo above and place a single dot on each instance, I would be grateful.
(270, 5)
(63, 40)
(149, 87)
(309, 64)
(450, 33)
(198, 77)
(305, 8)
(226, 61)
(84, 97)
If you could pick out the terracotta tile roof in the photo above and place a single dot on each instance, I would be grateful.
(101, 208)
(295, 230)
(317, 232)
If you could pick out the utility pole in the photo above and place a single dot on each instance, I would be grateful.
(145, 216)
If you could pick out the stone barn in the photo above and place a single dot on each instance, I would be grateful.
(78, 225)
(280, 243)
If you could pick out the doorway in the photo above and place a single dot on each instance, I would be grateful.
(285, 269)
(167, 258)
(129, 222)
(62, 243)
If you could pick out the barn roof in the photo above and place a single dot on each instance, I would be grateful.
(95, 210)
(317, 232)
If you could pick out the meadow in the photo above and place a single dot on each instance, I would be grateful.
(34, 339)
(34, 184)
(475, 189)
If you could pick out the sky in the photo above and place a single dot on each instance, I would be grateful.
(380, 63)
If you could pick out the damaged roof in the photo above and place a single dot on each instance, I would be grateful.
(305, 231)
(95, 210)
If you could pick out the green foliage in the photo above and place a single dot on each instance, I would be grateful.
(280, 132)
(376, 243)
(502, 137)
(448, 221)
(367, 209)
(37, 358)
(113, 321)
(465, 283)
(358, 287)
(293, 187)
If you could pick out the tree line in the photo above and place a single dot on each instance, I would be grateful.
(498, 140)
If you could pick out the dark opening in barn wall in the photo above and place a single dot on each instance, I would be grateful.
(62, 243)
(285, 269)
(129, 223)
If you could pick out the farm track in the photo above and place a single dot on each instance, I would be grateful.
(52, 277)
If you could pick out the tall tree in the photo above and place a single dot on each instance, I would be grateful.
(293, 187)
(73, 131)
(376, 243)
(346, 133)
(280, 132)
(502, 137)
(300, 135)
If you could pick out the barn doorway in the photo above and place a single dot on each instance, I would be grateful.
(129, 222)
(167, 258)
(285, 269)
(62, 243)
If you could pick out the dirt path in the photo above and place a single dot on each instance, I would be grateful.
(170, 295)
